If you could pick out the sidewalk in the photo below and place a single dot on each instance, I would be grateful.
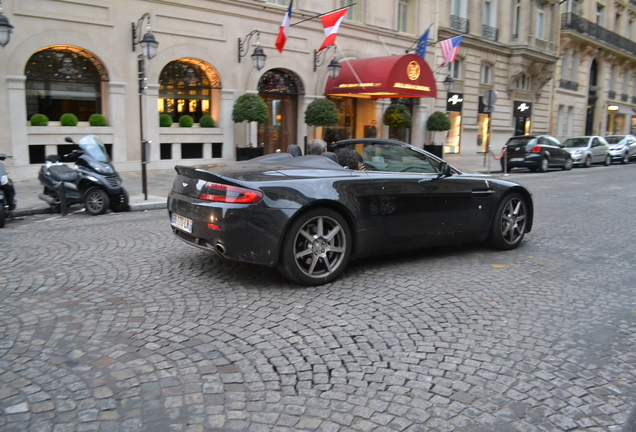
(159, 183)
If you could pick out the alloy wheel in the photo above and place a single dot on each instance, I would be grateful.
(320, 246)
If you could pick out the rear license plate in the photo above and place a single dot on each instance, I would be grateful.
(181, 223)
(516, 159)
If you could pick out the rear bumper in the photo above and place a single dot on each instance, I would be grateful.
(533, 161)
(249, 233)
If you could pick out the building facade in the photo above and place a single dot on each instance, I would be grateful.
(82, 57)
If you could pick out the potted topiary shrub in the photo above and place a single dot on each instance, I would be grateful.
(397, 117)
(165, 120)
(186, 121)
(437, 122)
(39, 120)
(97, 120)
(207, 122)
(322, 112)
(68, 119)
(250, 108)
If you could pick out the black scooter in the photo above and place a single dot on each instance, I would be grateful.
(94, 182)
(8, 202)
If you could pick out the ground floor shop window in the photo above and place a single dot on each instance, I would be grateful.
(188, 87)
(64, 79)
(192, 151)
(615, 124)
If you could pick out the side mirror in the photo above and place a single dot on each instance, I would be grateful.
(69, 140)
(445, 170)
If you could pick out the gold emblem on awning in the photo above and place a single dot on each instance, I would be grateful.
(413, 70)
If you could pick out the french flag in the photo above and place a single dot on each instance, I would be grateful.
(284, 29)
(331, 23)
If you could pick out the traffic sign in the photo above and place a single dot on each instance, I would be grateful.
(490, 97)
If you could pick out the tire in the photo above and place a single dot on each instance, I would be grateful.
(608, 160)
(568, 164)
(96, 201)
(310, 257)
(588, 162)
(544, 165)
(509, 222)
(625, 158)
(121, 203)
(2, 214)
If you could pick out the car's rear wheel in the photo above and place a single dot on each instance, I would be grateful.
(316, 247)
(625, 158)
(608, 160)
(544, 165)
(509, 222)
(96, 201)
(568, 164)
(588, 162)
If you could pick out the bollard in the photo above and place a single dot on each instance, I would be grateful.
(62, 193)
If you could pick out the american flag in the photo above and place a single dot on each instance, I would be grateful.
(449, 49)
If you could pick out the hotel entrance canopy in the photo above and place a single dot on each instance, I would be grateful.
(383, 77)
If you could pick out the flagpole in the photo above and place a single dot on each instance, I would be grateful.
(326, 13)
(418, 39)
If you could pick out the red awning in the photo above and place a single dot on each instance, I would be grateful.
(383, 77)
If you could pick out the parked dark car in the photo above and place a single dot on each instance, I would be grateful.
(622, 148)
(535, 152)
(308, 215)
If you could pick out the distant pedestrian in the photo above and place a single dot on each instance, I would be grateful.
(372, 131)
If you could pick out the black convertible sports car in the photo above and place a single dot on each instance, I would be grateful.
(308, 215)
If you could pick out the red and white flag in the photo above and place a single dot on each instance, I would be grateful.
(331, 23)
(449, 49)
(284, 29)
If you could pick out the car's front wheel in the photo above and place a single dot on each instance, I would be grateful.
(316, 247)
(625, 158)
(509, 222)
(588, 162)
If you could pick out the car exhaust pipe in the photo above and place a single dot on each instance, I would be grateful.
(220, 249)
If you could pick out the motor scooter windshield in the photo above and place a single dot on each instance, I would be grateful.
(94, 147)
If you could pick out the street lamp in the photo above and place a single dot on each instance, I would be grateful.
(148, 49)
(258, 57)
(5, 29)
(334, 66)
(448, 83)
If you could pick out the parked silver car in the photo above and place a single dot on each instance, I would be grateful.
(588, 150)
(622, 147)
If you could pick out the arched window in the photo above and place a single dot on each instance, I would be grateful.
(189, 86)
(64, 79)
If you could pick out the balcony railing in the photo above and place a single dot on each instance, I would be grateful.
(459, 24)
(611, 94)
(570, 21)
(490, 33)
(624, 97)
(568, 85)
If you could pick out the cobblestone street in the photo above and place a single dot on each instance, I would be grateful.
(109, 323)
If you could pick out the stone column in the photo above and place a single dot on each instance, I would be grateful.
(117, 119)
(225, 122)
(18, 119)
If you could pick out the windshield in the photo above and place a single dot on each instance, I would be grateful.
(94, 147)
(615, 139)
(575, 142)
(522, 141)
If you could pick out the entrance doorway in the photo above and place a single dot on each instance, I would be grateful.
(279, 88)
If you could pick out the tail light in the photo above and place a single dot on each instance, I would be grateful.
(536, 149)
(229, 194)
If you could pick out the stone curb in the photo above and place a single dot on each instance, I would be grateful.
(47, 210)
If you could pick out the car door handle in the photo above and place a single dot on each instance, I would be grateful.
(483, 192)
